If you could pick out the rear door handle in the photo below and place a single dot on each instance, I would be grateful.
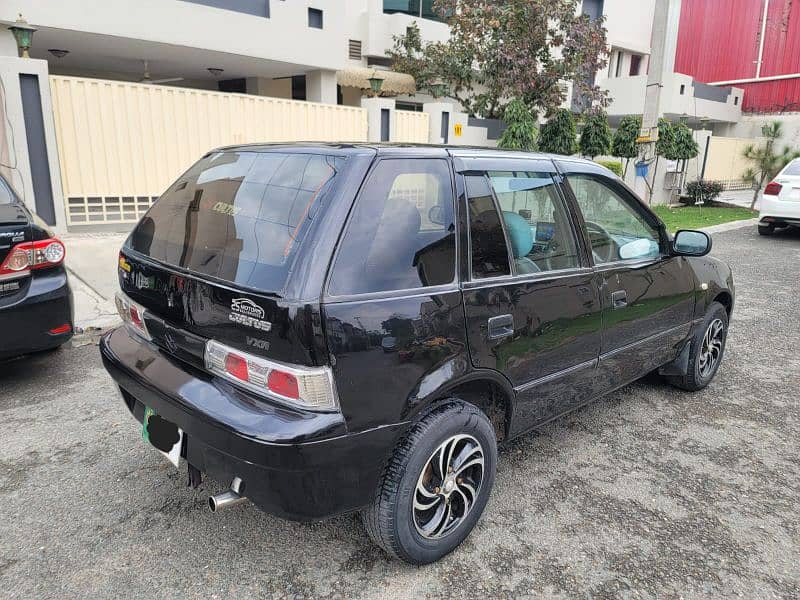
(619, 299)
(501, 326)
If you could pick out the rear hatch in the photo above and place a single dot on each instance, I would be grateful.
(212, 257)
(15, 228)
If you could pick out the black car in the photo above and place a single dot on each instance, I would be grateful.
(35, 297)
(259, 291)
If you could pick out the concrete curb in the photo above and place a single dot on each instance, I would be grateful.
(730, 226)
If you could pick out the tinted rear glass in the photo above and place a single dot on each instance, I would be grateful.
(238, 216)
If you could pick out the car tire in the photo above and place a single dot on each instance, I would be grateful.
(708, 344)
(417, 515)
(766, 229)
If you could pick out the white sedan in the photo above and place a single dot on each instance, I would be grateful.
(780, 204)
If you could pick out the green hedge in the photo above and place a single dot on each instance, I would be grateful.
(611, 165)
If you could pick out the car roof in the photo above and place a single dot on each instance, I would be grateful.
(399, 148)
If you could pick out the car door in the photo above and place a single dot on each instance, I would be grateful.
(647, 294)
(531, 303)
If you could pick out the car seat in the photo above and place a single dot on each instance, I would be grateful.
(520, 237)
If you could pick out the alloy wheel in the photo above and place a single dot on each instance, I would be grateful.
(711, 350)
(448, 486)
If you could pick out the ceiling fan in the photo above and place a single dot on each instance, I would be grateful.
(146, 77)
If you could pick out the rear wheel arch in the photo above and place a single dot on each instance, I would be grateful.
(488, 391)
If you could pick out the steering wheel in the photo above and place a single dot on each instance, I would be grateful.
(601, 240)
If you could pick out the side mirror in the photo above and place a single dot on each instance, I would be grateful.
(691, 243)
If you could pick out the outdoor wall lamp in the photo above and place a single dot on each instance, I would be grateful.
(375, 84)
(23, 33)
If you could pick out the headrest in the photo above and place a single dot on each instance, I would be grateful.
(520, 235)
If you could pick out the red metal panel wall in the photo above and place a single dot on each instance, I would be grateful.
(718, 41)
(782, 39)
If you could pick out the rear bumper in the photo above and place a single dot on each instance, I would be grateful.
(43, 303)
(296, 465)
(779, 211)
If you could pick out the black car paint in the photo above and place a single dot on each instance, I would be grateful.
(43, 299)
(331, 463)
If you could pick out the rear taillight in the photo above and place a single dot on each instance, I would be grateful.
(773, 189)
(132, 315)
(311, 388)
(33, 255)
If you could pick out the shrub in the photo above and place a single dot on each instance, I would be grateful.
(521, 132)
(558, 134)
(596, 134)
(702, 191)
(611, 165)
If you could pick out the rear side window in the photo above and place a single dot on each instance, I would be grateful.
(238, 216)
(401, 234)
(487, 239)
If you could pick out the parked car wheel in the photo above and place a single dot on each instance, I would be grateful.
(436, 485)
(766, 229)
(707, 349)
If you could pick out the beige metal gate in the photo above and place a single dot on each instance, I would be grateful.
(121, 144)
(725, 163)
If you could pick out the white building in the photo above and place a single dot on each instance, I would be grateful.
(629, 26)
(278, 48)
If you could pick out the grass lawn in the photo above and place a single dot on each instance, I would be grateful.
(695, 217)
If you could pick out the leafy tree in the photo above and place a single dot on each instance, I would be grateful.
(498, 51)
(596, 135)
(684, 148)
(521, 131)
(684, 144)
(665, 145)
(623, 145)
(767, 163)
(558, 136)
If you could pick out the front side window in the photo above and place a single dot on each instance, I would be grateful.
(537, 225)
(401, 234)
(617, 231)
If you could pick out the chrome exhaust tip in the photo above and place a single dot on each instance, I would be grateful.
(229, 498)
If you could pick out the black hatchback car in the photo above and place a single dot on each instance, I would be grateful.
(35, 297)
(337, 328)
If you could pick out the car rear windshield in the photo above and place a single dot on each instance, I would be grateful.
(238, 216)
(6, 197)
(793, 168)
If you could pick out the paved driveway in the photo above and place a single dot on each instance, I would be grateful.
(647, 493)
